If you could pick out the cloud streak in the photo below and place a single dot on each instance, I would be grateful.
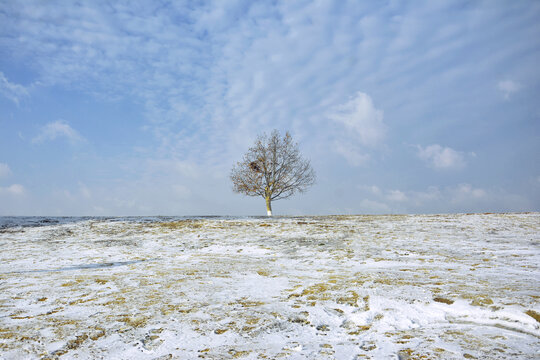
(12, 91)
(58, 129)
(5, 171)
(508, 87)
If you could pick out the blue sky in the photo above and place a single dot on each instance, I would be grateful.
(126, 108)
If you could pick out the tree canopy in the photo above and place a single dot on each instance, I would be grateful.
(272, 168)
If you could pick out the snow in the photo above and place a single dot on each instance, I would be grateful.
(344, 287)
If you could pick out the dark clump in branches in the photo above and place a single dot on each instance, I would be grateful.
(273, 169)
(254, 166)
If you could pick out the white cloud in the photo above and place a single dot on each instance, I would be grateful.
(466, 192)
(175, 169)
(360, 117)
(374, 207)
(508, 87)
(455, 198)
(85, 191)
(431, 195)
(358, 127)
(181, 191)
(58, 129)
(351, 153)
(5, 171)
(15, 189)
(396, 195)
(12, 91)
(112, 52)
(374, 189)
(443, 158)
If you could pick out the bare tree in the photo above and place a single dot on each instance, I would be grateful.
(273, 169)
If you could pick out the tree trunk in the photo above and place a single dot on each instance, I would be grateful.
(268, 206)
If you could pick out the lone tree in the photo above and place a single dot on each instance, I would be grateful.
(273, 169)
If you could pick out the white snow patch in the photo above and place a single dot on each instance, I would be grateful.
(439, 286)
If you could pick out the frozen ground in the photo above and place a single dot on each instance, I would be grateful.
(337, 287)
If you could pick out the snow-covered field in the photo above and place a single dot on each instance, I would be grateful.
(335, 287)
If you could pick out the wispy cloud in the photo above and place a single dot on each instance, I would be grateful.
(231, 69)
(58, 129)
(508, 87)
(351, 152)
(360, 127)
(466, 192)
(84, 191)
(464, 197)
(15, 189)
(396, 195)
(209, 76)
(442, 158)
(360, 117)
(5, 171)
(374, 207)
(12, 91)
